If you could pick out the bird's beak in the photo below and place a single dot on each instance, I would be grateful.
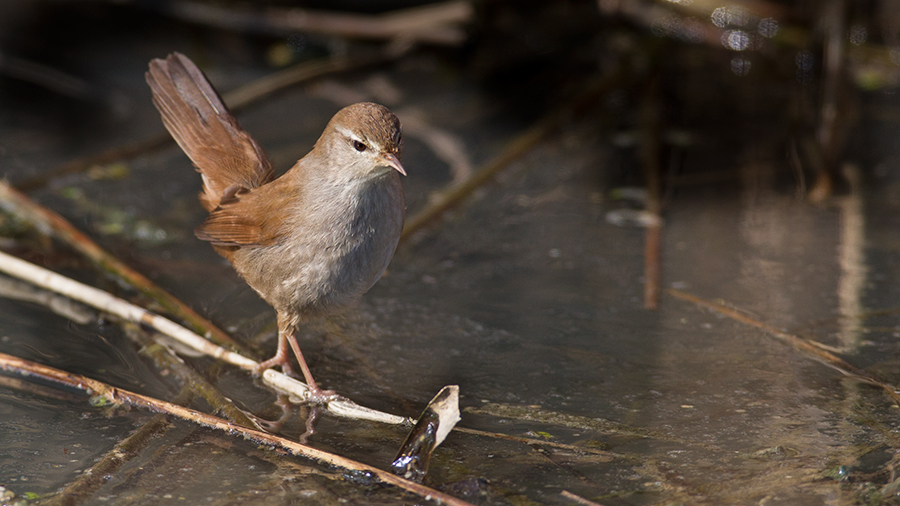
(391, 160)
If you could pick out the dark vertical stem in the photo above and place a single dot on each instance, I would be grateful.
(828, 135)
(650, 157)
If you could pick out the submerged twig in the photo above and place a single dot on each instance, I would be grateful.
(810, 348)
(164, 358)
(88, 482)
(63, 306)
(114, 395)
(56, 226)
(533, 414)
(525, 142)
(533, 441)
(104, 301)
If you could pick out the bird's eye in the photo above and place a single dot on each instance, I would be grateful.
(359, 146)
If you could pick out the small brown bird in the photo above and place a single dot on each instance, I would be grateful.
(311, 241)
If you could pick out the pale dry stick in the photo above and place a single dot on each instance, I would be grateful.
(805, 345)
(104, 301)
(162, 356)
(119, 396)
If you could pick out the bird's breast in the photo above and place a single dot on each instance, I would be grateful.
(339, 249)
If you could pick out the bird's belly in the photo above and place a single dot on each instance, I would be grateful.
(317, 273)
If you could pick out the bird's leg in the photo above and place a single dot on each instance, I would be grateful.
(316, 394)
(286, 341)
(282, 357)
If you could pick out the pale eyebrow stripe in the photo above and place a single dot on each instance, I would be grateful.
(349, 133)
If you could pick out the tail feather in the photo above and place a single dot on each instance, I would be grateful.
(192, 111)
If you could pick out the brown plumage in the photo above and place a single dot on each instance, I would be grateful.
(311, 241)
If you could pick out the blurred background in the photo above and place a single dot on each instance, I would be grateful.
(575, 168)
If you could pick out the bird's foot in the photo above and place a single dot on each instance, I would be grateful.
(319, 396)
(316, 394)
(280, 359)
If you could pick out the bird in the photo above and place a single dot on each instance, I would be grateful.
(311, 241)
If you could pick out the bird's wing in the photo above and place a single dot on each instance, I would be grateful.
(206, 130)
(243, 218)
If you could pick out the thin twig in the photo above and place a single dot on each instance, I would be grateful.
(47, 77)
(119, 396)
(256, 90)
(56, 226)
(433, 24)
(539, 415)
(110, 304)
(578, 499)
(805, 345)
(519, 146)
(536, 442)
(104, 301)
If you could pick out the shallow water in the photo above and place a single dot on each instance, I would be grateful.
(526, 296)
